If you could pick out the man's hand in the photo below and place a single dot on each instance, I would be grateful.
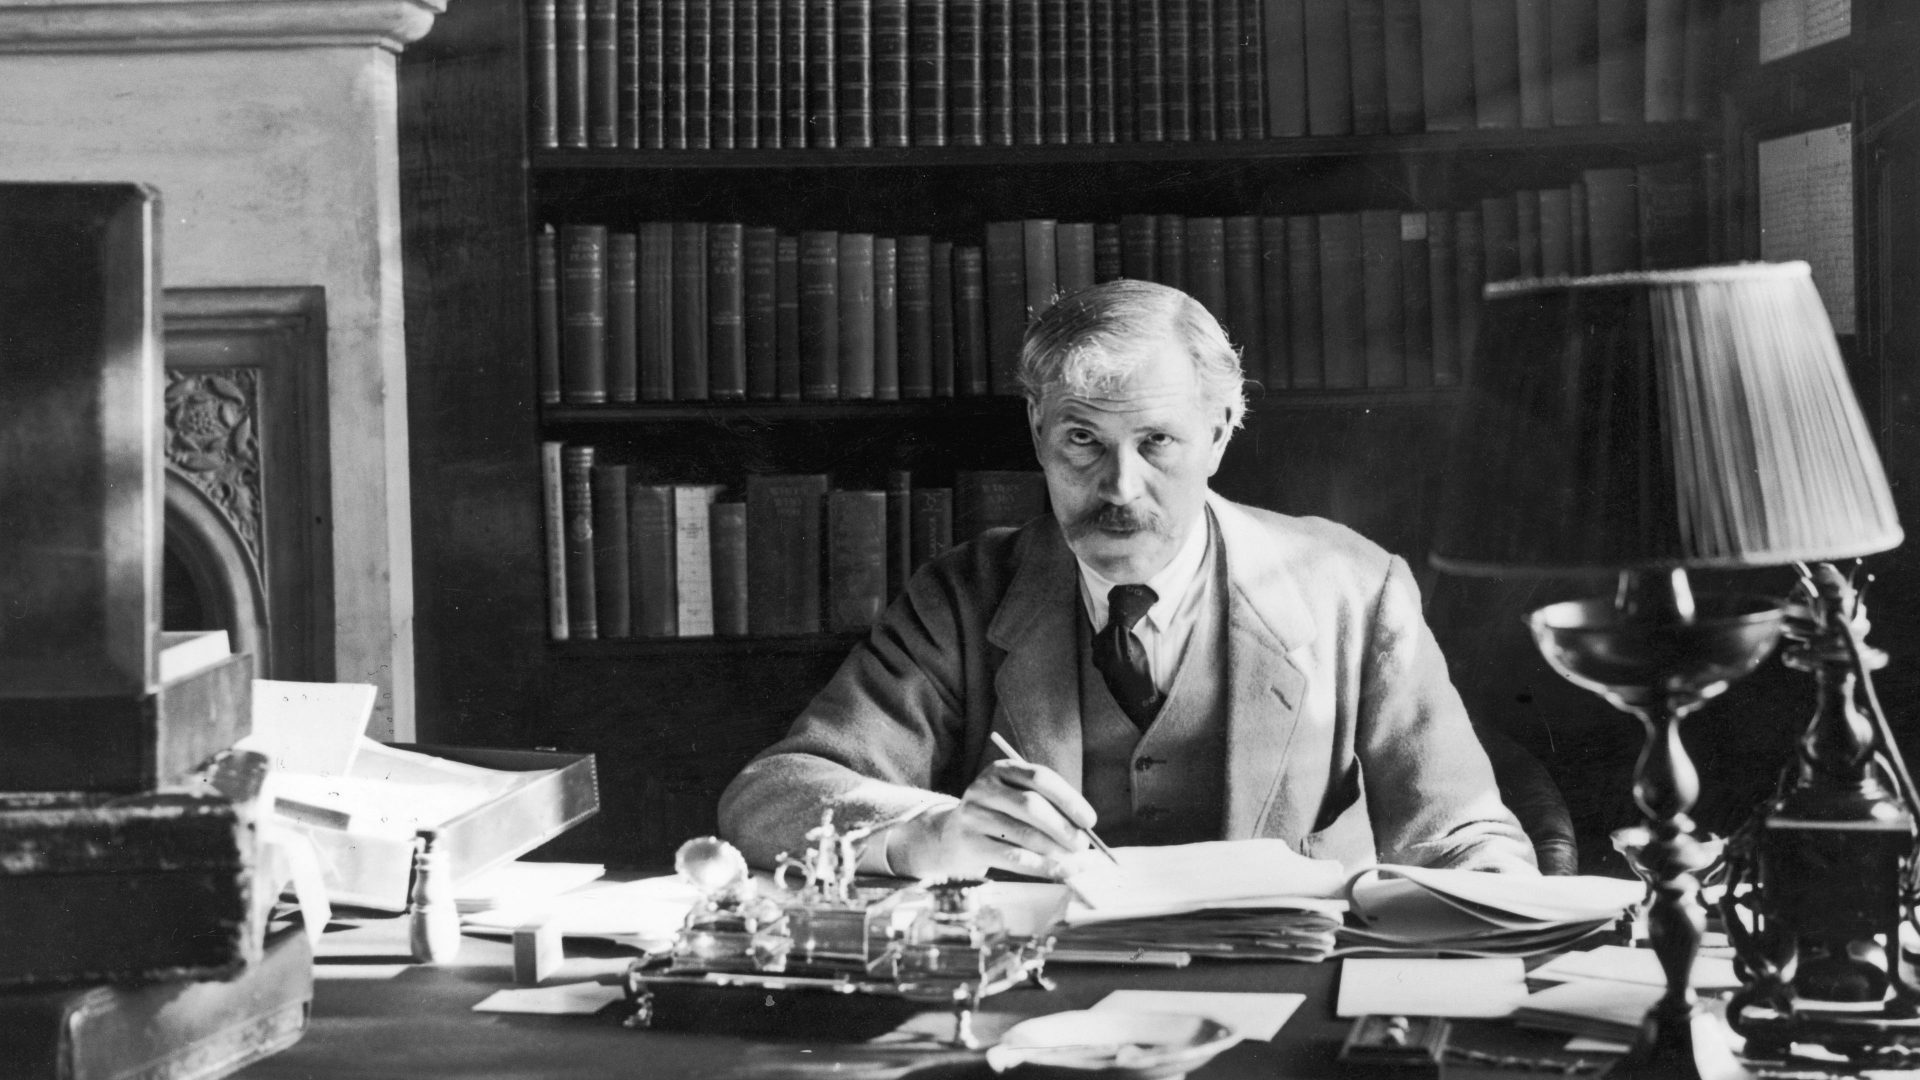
(1015, 816)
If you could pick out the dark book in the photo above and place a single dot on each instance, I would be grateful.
(1442, 296)
(543, 75)
(654, 320)
(787, 335)
(1245, 298)
(931, 524)
(1170, 249)
(727, 543)
(769, 66)
(855, 297)
(1105, 70)
(1206, 264)
(948, 373)
(822, 100)
(1176, 68)
(576, 490)
(853, 72)
(1556, 232)
(1446, 65)
(1701, 78)
(1225, 89)
(1306, 357)
(1343, 305)
(546, 312)
(886, 319)
(1329, 67)
(971, 369)
(1470, 276)
(1053, 70)
(1383, 300)
(627, 117)
(690, 370)
(794, 66)
(722, 82)
(1406, 100)
(1573, 29)
(892, 74)
(673, 73)
(1149, 70)
(1073, 256)
(1367, 65)
(819, 315)
(784, 559)
(899, 530)
(699, 96)
(1284, 73)
(1276, 305)
(856, 558)
(995, 499)
(1613, 220)
(1006, 298)
(1622, 65)
(996, 71)
(1496, 63)
(611, 552)
(693, 557)
(623, 284)
(554, 520)
(926, 72)
(914, 257)
(1253, 59)
(570, 71)
(1106, 251)
(760, 293)
(1079, 77)
(966, 54)
(583, 314)
(1500, 237)
(1040, 239)
(746, 73)
(1416, 292)
(1532, 22)
(1666, 61)
(726, 311)
(1673, 221)
(1526, 232)
(1125, 117)
(653, 76)
(1137, 247)
(1028, 71)
(651, 573)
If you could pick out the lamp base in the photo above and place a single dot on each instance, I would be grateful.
(1681, 1044)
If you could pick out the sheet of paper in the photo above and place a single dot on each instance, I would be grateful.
(1180, 878)
(566, 999)
(1478, 987)
(312, 728)
(1623, 964)
(1253, 1016)
(644, 912)
(522, 882)
(1527, 899)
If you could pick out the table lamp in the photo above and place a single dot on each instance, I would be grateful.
(1646, 424)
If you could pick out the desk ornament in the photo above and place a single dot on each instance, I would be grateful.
(1115, 1043)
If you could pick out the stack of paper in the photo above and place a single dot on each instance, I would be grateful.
(1398, 910)
(1596, 1008)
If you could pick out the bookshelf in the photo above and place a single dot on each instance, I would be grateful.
(673, 718)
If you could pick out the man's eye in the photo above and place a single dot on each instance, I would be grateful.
(1080, 437)
(1159, 439)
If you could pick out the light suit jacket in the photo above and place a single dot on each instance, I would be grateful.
(1345, 737)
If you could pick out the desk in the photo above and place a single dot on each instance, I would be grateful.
(375, 1016)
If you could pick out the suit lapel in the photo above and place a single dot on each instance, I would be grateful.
(1037, 686)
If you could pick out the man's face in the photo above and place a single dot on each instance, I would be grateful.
(1127, 468)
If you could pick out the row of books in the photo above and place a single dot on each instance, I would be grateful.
(784, 554)
(748, 74)
(1370, 299)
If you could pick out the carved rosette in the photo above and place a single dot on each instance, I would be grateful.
(213, 440)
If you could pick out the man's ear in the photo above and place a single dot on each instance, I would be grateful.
(1222, 434)
(1035, 415)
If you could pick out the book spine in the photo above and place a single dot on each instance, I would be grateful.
(1672, 220)
(650, 536)
(1500, 237)
(856, 315)
(1006, 284)
(1621, 72)
(1446, 65)
(1469, 253)
(1613, 221)
(1241, 236)
(1079, 71)
(795, 67)
(996, 73)
(699, 95)
(612, 591)
(1170, 249)
(655, 315)
(1329, 68)
(1535, 34)
(1343, 319)
(673, 73)
(746, 74)
(690, 371)
(1556, 232)
(915, 268)
(1053, 71)
(787, 336)
(1029, 128)
(1416, 343)
(726, 311)
(942, 286)
(927, 73)
(543, 74)
(784, 558)
(1073, 256)
(1137, 247)
(856, 558)
(623, 363)
(1227, 33)
(931, 524)
(727, 529)
(966, 73)
(969, 322)
(1283, 29)
(995, 499)
(770, 65)
(1106, 251)
(823, 66)
(603, 73)
(546, 310)
(1701, 75)
(627, 135)
(1496, 63)
(1406, 102)
(1149, 70)
(1206, 272)
(1526, 233)
(1275, 304)
(1041, 272)
(899, 530)
(583, 622)
(553, 502)
(1383, 299)
(570, 75)
(1125, 117)
(1104, 55)
(1666, 59)
(583, 305)
(1203, 71)
(1367, 65)
(693, 558)
(892, 74)
(886, 319)
(653, 75)
(1573, 38)
(721, 80)
(760, 291)
(1442, 274)
(819, 315)
(1253, 62)
(1306, 360)
(1176, 68)
(853, 68)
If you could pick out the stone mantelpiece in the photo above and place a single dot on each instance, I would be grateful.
(269, 128)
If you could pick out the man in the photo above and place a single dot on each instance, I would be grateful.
(1274, 678)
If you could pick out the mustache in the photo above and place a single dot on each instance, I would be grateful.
(1108, 518)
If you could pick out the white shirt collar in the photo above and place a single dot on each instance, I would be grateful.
(1170, 585)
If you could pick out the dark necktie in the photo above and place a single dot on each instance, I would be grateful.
(1120, 658)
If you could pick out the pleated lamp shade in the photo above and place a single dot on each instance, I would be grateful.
(1690, 418)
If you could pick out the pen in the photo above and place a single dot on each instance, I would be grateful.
(1014, 755)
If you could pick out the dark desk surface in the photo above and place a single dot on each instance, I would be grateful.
(376, 1016)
